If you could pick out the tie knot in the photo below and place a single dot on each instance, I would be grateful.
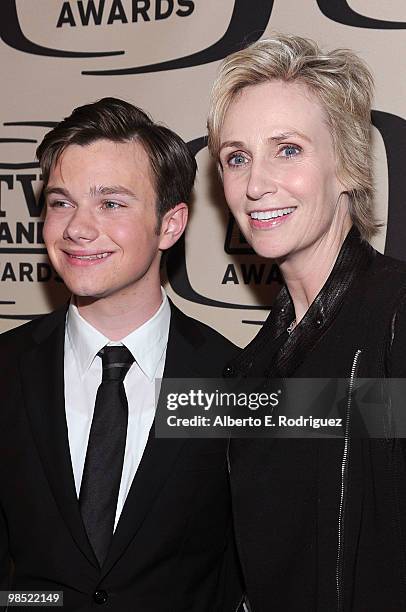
(116, 362)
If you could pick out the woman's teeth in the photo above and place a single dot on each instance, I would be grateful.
(271, 214)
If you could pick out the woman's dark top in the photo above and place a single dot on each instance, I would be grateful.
(321, 524)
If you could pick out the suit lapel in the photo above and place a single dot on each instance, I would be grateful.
(160, 454)
(42, 370)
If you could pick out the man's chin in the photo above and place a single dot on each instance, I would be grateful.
(83, 295)
(85, 300)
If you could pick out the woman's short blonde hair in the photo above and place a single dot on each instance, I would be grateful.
(343, 84)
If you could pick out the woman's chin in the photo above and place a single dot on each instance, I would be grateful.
(268, 249)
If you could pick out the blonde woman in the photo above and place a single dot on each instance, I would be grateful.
(320, 524)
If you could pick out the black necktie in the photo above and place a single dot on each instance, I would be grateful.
(105, 451)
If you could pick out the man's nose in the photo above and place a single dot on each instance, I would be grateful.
(82, 226)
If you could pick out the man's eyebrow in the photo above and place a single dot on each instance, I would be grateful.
(56, 190)
(111, 190)
(94, 191)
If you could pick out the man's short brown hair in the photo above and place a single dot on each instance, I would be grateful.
(173, 166)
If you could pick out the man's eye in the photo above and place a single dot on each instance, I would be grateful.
(237, 159)
(111, 205)
(58, 204)
(289, 151)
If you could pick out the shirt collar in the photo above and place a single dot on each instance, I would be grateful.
(146, 343)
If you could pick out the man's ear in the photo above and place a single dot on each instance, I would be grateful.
(173, 225)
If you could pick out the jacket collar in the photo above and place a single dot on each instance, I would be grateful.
(43, 383)
(354, 257)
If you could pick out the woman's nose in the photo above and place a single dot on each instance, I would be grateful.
(261, 180)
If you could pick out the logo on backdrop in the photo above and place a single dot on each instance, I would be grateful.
(22, 251)
(23, 255)
(247, 24)
(108, 12)
(341, 12)
(246, 273)
(393, 131)
(23, 261)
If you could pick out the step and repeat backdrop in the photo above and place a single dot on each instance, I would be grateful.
(162, 55)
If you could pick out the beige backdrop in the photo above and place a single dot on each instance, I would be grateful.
(39, 87)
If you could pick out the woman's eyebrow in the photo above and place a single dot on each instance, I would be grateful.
(231, 143)
(287, 135)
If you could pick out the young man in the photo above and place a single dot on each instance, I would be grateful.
(91, 503)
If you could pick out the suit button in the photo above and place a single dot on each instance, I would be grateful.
(228, 372)
(100, 597)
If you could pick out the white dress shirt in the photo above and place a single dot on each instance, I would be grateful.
(83, 374)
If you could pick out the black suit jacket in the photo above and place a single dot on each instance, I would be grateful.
(173, 548)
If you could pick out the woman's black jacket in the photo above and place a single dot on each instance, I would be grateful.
(321, 524)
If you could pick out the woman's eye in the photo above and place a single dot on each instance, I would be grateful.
(289, 151)
(237, 159)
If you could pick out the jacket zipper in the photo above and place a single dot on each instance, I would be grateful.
(343, 491)
(245, 603)
(242, 605)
